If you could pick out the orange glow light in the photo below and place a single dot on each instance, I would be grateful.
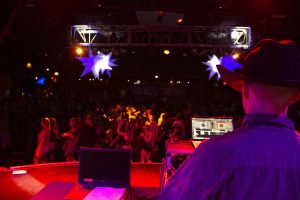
(28, 65)
(236, 56)
(79, 50)
(179, 20)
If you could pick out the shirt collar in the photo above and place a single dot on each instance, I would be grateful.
(259, 118)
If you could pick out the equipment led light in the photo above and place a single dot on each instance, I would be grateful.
(19, 172)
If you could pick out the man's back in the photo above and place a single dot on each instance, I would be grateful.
(259, 161)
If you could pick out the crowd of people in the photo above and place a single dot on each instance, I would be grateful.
(125, 128)
(45, 130)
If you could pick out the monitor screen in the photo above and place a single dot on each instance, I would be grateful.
(207, 127)
(104, 167)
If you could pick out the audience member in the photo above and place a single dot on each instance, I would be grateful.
(43, 143)
(124, 134)
(54, 133)
(87, 136)
(70, 137)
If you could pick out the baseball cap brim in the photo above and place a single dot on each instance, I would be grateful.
(233, 79)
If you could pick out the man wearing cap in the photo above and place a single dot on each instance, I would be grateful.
(260, 160)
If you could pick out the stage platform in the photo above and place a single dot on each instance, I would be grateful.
(59, 181)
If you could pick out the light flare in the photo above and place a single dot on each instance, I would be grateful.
(96, 64)
(227, 61)
(212, 66)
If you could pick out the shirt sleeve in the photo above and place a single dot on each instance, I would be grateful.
(199, 177)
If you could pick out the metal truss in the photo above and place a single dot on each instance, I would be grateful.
(161, 36)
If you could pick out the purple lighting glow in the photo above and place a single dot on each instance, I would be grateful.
(227, 61)
(96, 64)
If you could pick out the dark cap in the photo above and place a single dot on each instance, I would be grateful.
(270, 62)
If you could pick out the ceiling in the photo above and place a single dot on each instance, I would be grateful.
(47, 21)
(38, 27)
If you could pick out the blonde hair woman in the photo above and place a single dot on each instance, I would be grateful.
(43, 142)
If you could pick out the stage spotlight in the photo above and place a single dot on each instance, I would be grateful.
(235, 55)
(156, 76)
(47, 69)
(166, 52)
(79, 51)
(179, 20)
(56, 74)
(28, 65)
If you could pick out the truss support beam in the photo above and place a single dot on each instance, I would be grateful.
(161, 36)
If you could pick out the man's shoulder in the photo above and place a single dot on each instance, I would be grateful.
(224, 147)
(229, 138)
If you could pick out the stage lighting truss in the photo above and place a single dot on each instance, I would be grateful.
(161, 36)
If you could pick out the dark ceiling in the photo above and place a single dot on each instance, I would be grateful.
(46, 22)
(37, 27)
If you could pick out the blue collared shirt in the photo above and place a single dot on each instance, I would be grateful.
(260, 160)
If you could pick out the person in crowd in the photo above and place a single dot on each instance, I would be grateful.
(137, 141)
(164, 128)
(260, 160)
(53, 138)
(87, 136)
(178, 129)
(117, 118)
(124, 134)
(43, 143)
(148, 137)
(70, 136)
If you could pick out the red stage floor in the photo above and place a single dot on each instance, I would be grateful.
(145, 181)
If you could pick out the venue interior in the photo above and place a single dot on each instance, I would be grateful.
(121, 65)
